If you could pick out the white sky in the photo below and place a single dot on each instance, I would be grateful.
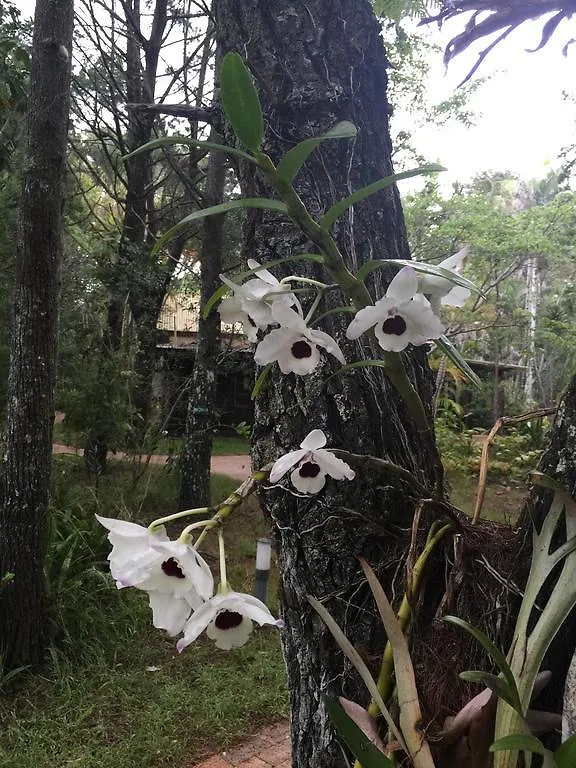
(522, 119)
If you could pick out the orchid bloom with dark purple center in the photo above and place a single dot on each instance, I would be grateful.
(397, 319)
(294, 346)
(312, 465)
(177, 579)
(227, 618)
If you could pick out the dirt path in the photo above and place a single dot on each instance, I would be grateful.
(237, 467)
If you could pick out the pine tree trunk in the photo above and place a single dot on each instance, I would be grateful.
(316, 64)
(27, 442)
(195, 465)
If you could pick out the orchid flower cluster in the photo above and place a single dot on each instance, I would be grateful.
(178, 580)
(407, 314)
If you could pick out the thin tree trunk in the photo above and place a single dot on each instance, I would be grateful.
(27, 443)
(315, 65)
(195, 465)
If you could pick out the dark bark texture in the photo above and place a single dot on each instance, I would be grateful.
(27, 442)
(315, 64)
(195, 465)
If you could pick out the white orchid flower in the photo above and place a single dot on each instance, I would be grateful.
(440, 290)
(397, 319)
(294, 346)
(313, 464)
(175, 576)
(251, 302)
(227, 619)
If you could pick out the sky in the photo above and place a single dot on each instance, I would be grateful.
(522, 119)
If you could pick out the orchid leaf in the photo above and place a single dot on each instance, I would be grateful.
(520, 742)
(240, 101)
(336, 210)
(260, 381)
(295, 158)
(357, 661)
(368, 755)
(565, 755)
(495, 654)
(419, 266)
(496, 684)
(214, 210)
(454, 355)
(167, 141)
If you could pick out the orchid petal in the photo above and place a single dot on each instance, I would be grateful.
(307, 484)
(367, 317)
(271, 345)
(314, 440)
(333, 466)
(169, 613)
(403, 286)
(287, 317)
(284, 463)
(457, 297)
(301, 366)
(455, 261)
(262, 272)
(326, 341)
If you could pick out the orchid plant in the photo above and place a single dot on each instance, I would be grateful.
(180, 585)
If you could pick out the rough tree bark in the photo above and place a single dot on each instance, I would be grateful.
(195, 464)
(27, 441)
(316, 64)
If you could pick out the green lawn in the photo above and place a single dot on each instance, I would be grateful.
(115, 693)
(234, 445)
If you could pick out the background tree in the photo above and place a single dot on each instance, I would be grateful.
(27, 441)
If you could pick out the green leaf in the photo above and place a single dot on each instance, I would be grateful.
(231, 205)
(240, 101)
(260, 381)
(521, 742)
(358, 743)
(419, 266)
(495, 654)
(335, 211)
(295, 158)
(358, 364)
(168, 141)
(219, 292)
(496, 684)
(565, 755)
(452, 354)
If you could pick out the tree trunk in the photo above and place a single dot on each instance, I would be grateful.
(27, 442)
(315, 65)
(195, 466)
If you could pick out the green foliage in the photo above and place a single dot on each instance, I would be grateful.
(240, 101)
(295, 158)
(358, 743)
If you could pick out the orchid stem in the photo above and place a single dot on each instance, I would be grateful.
(184, 537)
(222, 552)
(176, 516)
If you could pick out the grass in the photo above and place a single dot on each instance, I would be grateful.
(116, 694)
(222, 445)
(503, 500)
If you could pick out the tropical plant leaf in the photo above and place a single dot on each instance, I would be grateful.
(565, 755)
(240, 101)
(336, 210)
(260, 381)
(419, 266)
(168, 141)
(521, 742)
(495, 654)
(452, 354)
(359, 665)
(295, 158)
(496, 684)
(230, 205)
(358, 743)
